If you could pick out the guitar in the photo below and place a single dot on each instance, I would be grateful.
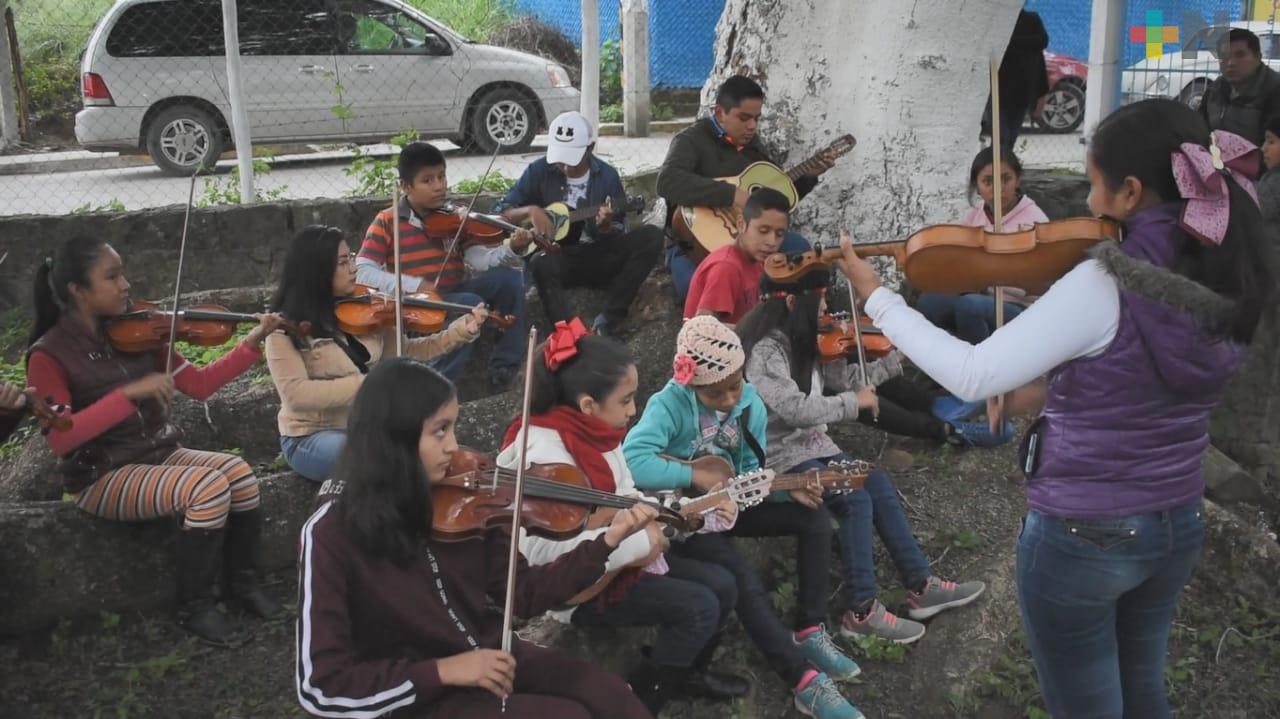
(562, 217)
(692, 509)
(707, 229)
(751, 488)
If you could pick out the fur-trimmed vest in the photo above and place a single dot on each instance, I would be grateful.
(1125, 432)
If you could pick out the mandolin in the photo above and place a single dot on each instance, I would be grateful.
(751, 488)
(707, 229)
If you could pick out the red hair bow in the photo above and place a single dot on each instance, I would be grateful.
(562, 345)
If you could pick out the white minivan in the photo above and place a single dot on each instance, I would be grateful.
(154, 78)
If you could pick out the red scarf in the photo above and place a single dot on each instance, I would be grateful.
(585, 437)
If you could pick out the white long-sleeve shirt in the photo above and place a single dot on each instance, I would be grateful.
(1077, 317)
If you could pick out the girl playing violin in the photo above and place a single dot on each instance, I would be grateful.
(317, 377)
(122, 459)
(803, 397)
(584, 391)
(709, 409)
(391, 619)
(1138, 342)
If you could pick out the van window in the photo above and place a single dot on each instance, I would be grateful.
(367, 27)
(193, 28)
(175, 28)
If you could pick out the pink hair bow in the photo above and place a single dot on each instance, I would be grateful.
(1201, 176)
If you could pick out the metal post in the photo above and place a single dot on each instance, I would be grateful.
(235, 91)
(1107, 38)
(9, 130)
(635, 68)
(591, 61)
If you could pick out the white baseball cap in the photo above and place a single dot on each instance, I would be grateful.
(570, 135)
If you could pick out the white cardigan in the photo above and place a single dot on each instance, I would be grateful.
(546, 447)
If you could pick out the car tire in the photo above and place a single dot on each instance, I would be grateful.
(1193, 93)
(184, 138)
(1063, 110)
(503, 116)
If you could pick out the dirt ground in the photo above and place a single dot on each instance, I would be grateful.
(964, 506)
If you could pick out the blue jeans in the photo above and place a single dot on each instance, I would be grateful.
(971, 316)
(314, 455)
(1097, 600)
(502, 289)
(688, 605)
(682, 266)
(875, 507)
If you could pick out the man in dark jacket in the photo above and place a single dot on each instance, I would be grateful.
(722, 145)
(1247, 94)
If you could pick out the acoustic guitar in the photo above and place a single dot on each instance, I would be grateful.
(707, 229)
(563, 218)
(751, 488)
(693, 508)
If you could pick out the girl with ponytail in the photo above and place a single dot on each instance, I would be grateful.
(122, 460)
(1137, 343)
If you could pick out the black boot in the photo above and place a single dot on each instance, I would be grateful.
(655, 684)
(709, 683)
(199, 555)
(244, 536)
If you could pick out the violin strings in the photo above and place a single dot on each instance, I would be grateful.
(550, 489)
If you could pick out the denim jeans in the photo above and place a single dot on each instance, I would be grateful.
(682, 266)
(314, 455)
(875, 507)
(755, 611)
(1097, 601)
(688, 605)
(502, 289)
(972, 317)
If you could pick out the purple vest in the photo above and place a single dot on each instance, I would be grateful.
(1124, 432)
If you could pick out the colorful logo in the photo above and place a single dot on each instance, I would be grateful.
(1154, 34)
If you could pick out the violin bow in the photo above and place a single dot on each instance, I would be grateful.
(997, 207)
(177, 284)
(508, 607)
(395, 251)
(453, 244)
(857, 335)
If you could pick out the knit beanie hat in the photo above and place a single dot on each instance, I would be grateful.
(707, 352)
(814, 281)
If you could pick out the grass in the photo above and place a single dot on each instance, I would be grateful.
(473, 19)
(51, 36)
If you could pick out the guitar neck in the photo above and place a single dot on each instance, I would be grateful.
(867, 249)
(700, 505)
(827, 479)
(839, 147)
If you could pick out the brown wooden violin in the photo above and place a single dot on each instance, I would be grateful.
(444, 223)
(477, 495)
(368, 310)
(146, 327)
(838, 340)
(955, 259)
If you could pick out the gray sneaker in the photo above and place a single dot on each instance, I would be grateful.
(882, 623)
(939, 595)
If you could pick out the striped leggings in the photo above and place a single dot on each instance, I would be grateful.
(202, 487)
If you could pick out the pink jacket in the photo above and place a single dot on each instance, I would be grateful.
(1023, 215)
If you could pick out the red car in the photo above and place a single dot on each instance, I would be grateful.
(1062, 110)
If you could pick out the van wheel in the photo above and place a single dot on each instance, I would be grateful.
(503, 117)
(182, 139)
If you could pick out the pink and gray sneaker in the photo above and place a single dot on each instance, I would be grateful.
(939, 595)
(882, 623)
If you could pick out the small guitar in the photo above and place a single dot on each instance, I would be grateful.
(707, 229)
(562, 217)
(752, 488)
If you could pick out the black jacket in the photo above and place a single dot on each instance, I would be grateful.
(1246, 114)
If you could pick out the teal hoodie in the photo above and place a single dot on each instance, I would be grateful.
(669, 426)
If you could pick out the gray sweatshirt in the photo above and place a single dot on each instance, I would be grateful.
(797, 429)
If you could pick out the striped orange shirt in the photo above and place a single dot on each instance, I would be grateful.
(420, 255)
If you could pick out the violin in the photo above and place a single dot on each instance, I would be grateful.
(477, 495)
(369, 310)
(444, 222)
(50, 416)
(146, 327)
(956, 259)
(837, 339)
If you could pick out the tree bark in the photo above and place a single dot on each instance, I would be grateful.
(908, 79)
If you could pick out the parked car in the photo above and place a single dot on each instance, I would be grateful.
(1186, 73)
(154, 77)
(1062, 110)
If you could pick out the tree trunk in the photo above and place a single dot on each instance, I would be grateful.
(909, 80)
